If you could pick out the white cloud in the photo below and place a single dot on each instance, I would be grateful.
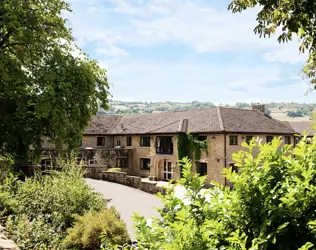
(111, 29)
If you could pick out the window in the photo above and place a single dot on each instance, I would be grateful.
(144, 163)
(129, 141)
(118, 143)
(269, 138)
(233, 140)
(234, 168)
(203, 168)
(202, 138)
(297, 139)
(287, 139)
(248, 138)
(145, 141)
(121, 162)
(100, 141)
(164, 145)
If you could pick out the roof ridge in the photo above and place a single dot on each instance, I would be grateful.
(220, 118)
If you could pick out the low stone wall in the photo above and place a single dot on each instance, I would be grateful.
(5, 243)
(131, 181)
(93, 171)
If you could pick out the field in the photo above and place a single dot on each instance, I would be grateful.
(280, 111)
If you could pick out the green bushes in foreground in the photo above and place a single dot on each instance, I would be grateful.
(85, 235)
(38, 212)
(271, 206)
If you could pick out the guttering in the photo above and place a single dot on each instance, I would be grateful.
(225, 153)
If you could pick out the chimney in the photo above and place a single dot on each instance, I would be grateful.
(259, 107)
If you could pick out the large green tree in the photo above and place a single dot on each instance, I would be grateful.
(48, 87)
(293, 17)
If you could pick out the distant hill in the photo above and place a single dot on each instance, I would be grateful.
(281, 111)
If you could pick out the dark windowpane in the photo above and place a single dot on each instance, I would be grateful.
(203, 168)
(129, 141)
(118, 143)
(145, 141)
(144, 163)
(248, 138)
(234, 168)
(269, 138)
(164, 145)
(202, 138)
(100, 141)
(287, 139)
(233, 140)
(122, 162)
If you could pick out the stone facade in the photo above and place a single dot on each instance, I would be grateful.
(216, 159)
(116, 153)
(145, 145)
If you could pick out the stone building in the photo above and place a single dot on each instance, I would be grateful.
(146, 144)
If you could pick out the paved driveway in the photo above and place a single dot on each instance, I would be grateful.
(127, 200)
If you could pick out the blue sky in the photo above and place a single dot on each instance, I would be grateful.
(181, 50)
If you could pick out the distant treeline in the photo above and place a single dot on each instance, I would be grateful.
(122, 107)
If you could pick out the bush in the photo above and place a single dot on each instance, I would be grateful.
(114, 170)
(271, 206)
(85, 234)
(6, 162)
(41, 208)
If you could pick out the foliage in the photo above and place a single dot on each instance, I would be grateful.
(40, 209)
(6, 162)
(114, 170)
(48, 87)
(294, 114)
(85, 234)
(293, 18)
(120, 107)
(271, 206)
(190, 145)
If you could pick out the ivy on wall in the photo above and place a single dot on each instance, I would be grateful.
(190, 145)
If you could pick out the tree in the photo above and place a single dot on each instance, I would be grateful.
(48, 87)
(271, 205)
(293, 114)
(293, 18)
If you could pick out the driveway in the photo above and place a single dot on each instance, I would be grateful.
(127, 200)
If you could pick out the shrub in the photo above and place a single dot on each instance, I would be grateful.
(44, 206)
(114, 170)
(271, 206)
(34, 234)
(6, 162)
(85, 234)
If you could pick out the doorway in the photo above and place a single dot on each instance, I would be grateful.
(167, 170)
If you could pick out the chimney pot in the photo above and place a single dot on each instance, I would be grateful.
(259, 107)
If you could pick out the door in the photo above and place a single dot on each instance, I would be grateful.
(167, 170)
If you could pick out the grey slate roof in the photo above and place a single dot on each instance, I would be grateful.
(246, 120)
(102, 124)
(301, 126)
(210, 120)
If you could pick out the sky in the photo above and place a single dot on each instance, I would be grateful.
(181, 50)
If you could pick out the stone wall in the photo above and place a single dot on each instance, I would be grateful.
(131, 181)
(5, 243)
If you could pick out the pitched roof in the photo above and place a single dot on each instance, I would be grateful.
(301, 126)
(200, 120)
(102, 124)
(210, 120)
(248, 120)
